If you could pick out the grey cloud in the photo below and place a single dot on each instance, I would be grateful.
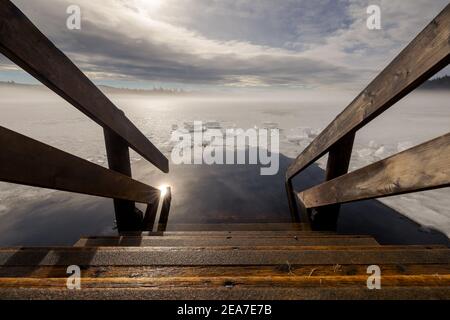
(108, 52)
(228, 43)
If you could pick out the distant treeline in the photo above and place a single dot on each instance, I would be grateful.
(106, 89)
(437, 84)
(16, 84)
(442, 83)
(154, 91)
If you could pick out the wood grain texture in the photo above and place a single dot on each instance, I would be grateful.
(266, 267)
(225, 293)
(222, 271)
(243, 234)
(169, 241)
(182, 256)
(29, 162)
(422, 58)
(237, 281)
(424, 167)
(128, 217)
(326, 218)
(238, 227)
(26, 46)
(292, 202)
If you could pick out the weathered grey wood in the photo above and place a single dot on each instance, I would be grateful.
(291, 281)
(169, 241)
(128, 217)
(237, 227)
(292, 202)
(29, 162)
(338, 163)
(231, 272)
(26, 46)
(227, 293)
(117, 151)
(242, 233)
(154, 256)
(423, 167)
(339, 157)
(423, 57)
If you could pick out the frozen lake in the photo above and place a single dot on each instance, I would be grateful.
(35, 216)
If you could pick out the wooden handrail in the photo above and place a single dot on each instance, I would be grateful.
(428, 53)
(29, 162)
(423, 167)
(26, 46)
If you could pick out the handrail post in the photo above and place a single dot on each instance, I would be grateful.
(165, 210)
(150, 216)
(326, 218)
(128, 217)
(291, 201)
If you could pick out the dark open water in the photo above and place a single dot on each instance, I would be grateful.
(202, 194)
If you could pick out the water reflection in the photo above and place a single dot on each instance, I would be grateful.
(158, 213)
(200, 194)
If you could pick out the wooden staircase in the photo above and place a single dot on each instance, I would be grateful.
(253, 261)
(237, 261)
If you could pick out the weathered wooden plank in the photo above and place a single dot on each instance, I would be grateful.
(339, 157)
(326, 218)
(224, 281)
(26, 46)
(242, 234)
(194, 249)
(223, 241)
(127, 256)
(423, 57)
(423, 167)
(292, 202)
(227, 293)
(27, 161)
(128, 217)
(222, 271)
(237, 227)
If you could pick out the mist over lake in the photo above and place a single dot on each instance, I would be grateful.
(207, 194)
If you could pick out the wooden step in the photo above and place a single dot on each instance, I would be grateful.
(421, 292)
(179, 256)
(246, 234)
(232, 272)
(195, 241)
(247, 271)
(239, 227)
(399, 281)
(292, 281)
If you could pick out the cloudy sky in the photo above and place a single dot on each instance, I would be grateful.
(204, 44)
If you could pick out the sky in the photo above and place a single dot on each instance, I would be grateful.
(229, 44)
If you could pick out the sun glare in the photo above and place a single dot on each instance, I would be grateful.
(150, 5)
(164, 190)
